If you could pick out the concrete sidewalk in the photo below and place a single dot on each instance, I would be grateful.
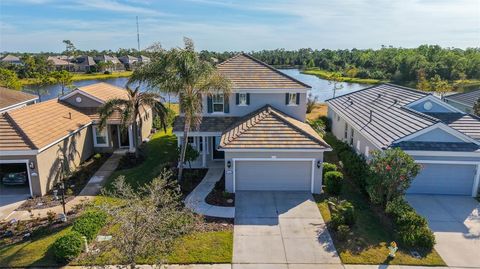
(90, 190)
(196, 199)
(267, 266)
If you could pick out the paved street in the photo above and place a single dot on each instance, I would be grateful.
(280, 228)
(455, 220)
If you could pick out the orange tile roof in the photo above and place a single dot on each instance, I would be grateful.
(47, 122)
(10, 137)
(11, 97)
(104, 91)
(268, 128)
(246, 72)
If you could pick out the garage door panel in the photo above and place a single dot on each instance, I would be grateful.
(453, 179)
(273, 175)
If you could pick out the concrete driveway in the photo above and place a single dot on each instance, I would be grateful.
(455, 220)
(279, 228)
(11, 197)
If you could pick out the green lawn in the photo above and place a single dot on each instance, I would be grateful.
(370, 238)
(160, 150)
(76, 77)
(327, 75)
(35, 252)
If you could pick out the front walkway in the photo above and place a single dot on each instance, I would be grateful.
(196, 199)
(90, 190)
(280, 230)
(455, 221)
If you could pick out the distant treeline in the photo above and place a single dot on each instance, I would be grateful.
(387, 63)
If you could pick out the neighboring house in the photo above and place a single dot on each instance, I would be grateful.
(11, 59)
(116, 64)
(60, 64)
(128, 61)
(442, 138)
(463, 101)
(12, 99)
(85, 64)
(143, 59)
(258, 132)
(40, 135)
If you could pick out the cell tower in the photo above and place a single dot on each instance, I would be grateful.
(138, 36)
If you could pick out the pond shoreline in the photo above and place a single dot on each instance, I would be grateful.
(83, 76)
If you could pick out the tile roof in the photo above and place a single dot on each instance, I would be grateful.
(468, 98)
(10, 58)
(48, 121)
(437, 146)
(104, 91)
(209, 124)
(268, 128)
(246, 72)
(464, 123)
(10, 137)
(86, 61)
(128, 59)
(390, 119)
(11, 97)
(57, 61)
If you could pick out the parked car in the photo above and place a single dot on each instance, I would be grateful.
(15, 178)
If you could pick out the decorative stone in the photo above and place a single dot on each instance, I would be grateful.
(415, 254)
(101, 238)
(229, 201)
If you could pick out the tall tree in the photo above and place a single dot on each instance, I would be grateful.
(183, 72)
(440, 86)
(131, 110)
(69, 47)
(39, 86)
(64, 78)
(9, 79)
(422, 82)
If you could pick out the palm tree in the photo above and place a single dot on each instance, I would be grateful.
(182, 72)
(131, 110)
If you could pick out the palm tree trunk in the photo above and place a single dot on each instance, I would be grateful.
(183, 150)
(135, 137)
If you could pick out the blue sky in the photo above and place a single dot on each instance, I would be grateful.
(41, 25)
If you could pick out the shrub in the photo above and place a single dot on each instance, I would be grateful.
(51, 217)
(333, 182)
(328, 167)
(343, 232)
(326, 122)
(343, 212)
(90, 223)
(412, 229)
(68, 247)
(97, 156)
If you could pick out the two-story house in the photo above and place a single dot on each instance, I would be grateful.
(442, 138)
(463, 101)
(258, 132)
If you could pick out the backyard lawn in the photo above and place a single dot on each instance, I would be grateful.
(369, 238)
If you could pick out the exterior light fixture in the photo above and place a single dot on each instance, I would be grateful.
(319, 164)
(31, 165)
(229, 164)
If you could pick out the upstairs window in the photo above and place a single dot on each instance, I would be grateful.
(345, 134)
(218, 102)
(292, 99)
(352, 132)
(242, 99)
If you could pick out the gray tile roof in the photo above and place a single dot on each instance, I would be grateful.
(468, 98)
(268, 128)
(390, 120)
(437, 146)
(209, 124)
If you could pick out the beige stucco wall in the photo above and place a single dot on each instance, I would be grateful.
(76, 148)
(147, 124)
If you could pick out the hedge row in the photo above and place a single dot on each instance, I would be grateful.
(412, 229)
(69, 246)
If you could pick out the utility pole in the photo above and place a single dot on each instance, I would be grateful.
(138, 37)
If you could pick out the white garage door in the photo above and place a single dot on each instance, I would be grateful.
(273, 175)
(452, 179)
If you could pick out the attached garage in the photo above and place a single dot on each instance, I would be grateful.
(274, 175)
(437, 177)
(14, 178)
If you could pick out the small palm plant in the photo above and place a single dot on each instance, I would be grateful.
(131, 110)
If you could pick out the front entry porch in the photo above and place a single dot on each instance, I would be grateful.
(207, 146)
(113, 137)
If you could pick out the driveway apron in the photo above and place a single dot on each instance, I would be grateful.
(280, 228)
(455, 221)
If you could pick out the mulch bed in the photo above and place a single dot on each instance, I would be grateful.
(74, 185)
(219, 197)
(191, 178)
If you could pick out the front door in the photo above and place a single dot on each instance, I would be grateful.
(123, 140)
(217, 155)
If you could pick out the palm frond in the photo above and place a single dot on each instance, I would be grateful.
(107, 110)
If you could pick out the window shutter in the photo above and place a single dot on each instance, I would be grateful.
(286, 98)
(298, 98)
(209, 104)
(237, 99)
(226, 105)
(248, 99)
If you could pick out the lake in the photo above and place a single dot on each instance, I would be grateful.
(320, 87)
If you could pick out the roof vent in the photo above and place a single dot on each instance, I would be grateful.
(395, 101)
(379, 95)
(70, 115)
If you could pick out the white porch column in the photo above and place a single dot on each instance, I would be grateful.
(131, 148)
(204, 151)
